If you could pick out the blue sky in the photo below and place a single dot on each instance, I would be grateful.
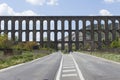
(59, 7)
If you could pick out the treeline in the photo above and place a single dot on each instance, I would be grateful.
(8, 46)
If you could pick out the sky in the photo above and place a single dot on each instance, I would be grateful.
(59, 7)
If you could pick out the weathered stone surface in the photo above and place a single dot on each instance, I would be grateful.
(79, 37)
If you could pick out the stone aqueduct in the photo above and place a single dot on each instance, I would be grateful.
(56, 28)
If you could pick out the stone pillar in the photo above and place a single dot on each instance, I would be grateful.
(6, 26)
(114, 30)
(34, 30)
(20, 31)
(41, 33)
(70, 37)
(119, 28)
(106, 32)
(92, 35)
(92, 30)
(99, 35)
(56, 42)
(13, 30)
(77, 35)
(27, 30)
(84, 32)
(0, 27)
(62, 25)
(48, 34)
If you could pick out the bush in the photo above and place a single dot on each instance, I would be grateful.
(5, 43)
(115, 44)
(29, 45)
(19, 46)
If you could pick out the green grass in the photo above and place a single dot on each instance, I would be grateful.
(106, 55)
(17, 59)
(1, 53)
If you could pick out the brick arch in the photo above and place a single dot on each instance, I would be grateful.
(17, 36)
(24, 36)
(95, 25)
(16, 25)
(37, 37)
(37, 25)
(9, 25)
(59, 25)
(30, 24)
(76, 24)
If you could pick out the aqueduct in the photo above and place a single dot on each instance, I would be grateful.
(54, 29)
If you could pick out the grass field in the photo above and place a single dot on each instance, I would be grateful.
(106, 55)
(17, 59)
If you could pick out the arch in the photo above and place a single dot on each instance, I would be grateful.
(59, 25)
(16, 25)
(24, 25)
(59, 45)
(52, 25)
(2, 33)
(73, 36)
(88, 25)
(117, 24)
(117, 35)
(45, 24)
(2, 25)
(66, 47)
(95, 45)
(9, 36)
(66, 25)
(110, 25)
(88, 35)
(73, 22)
(73, 46)
(31, 25)
(37, 36)
(37, 25)
(110, 36)
(45, 37)
(80, 36)
(52, 36)
(9, 25)
(23, 36)
(16, 36)
(81, 46)
(103, 36)
(95, 36)
(103, 24)
(95, 25)
(59, 36)
(66, 36)
(30, 36)
(80, 24)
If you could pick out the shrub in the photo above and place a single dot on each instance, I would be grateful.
(5, 43)
(115, 43)
(19, 46)
(29, 45)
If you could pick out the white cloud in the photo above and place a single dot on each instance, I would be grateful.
(105, 12)
(28, 13)
(42, 2)
(7, 11)
(52, 2)
(111, 1)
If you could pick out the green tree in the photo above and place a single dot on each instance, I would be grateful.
(5, 43)
(115, 43)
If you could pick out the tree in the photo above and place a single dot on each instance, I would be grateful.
(6, 44)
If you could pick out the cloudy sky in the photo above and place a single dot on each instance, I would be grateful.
(59, 7)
